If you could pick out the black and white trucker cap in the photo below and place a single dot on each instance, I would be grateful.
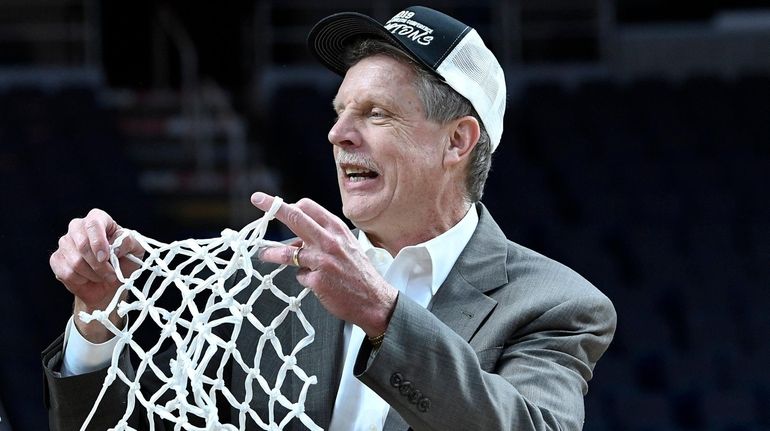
(438, 42)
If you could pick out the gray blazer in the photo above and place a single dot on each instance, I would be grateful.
(509, 342)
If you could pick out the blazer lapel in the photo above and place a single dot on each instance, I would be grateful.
(461, 302)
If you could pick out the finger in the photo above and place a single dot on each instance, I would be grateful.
(83, 262)
(77, 248)
(290, 215)
(283, 255)
(304, 277)
(99, 226)
(321, 215)
(81, 268)
(63, 272)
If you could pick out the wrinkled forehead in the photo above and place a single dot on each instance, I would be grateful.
(380, 76)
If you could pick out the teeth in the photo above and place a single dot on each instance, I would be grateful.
(353, 171)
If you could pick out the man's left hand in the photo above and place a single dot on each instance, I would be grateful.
(331, 264)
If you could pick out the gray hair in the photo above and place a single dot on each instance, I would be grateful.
(442, 104)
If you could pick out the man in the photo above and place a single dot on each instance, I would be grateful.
(426, 318)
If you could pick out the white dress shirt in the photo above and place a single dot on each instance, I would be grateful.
(417, 271)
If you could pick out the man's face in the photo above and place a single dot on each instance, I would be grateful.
(389, 156)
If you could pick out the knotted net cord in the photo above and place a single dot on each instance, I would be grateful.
(193, 394)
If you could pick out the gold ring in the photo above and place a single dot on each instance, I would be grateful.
(295, 256)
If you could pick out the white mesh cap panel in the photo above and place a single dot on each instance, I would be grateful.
(473, 71)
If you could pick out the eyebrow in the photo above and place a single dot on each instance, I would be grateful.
(381, 100)
(336, 104)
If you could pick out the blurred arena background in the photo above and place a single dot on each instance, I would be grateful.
(636, 151)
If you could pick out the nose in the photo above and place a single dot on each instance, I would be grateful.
(344, 133)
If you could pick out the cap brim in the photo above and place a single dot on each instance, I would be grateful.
(330, 36)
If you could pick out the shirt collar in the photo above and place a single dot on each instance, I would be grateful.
(443, 249)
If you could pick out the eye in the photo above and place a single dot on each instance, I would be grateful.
(376, 113)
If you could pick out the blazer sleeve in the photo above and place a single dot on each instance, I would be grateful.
(534, 380)
(69, 400)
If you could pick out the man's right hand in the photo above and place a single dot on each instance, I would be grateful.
(82, 264)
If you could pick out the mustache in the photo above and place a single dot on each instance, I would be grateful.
(347, 158)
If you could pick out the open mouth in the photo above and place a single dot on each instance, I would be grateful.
(356, 173)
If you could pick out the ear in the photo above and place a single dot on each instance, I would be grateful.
(463, 135)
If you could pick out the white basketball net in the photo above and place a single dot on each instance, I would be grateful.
(193, 394)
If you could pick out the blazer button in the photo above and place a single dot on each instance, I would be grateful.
(424, 404)
(415, 396)
(396, 379)
(405, 388)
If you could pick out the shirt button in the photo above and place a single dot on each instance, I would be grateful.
(373, 427)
